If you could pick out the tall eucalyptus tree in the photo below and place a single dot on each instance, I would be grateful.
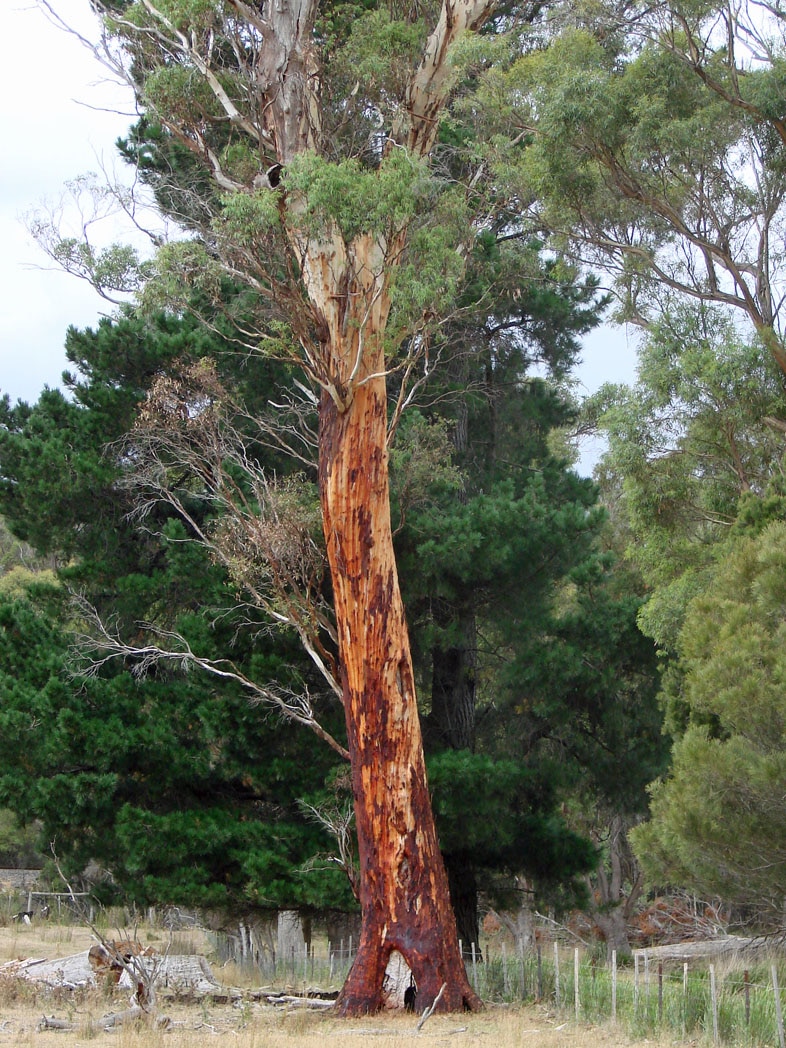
(318, 126)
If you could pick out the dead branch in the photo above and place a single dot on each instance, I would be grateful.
(339, 824)
(102, 646)
(430, 1011)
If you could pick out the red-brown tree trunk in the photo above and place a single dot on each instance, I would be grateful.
(403, 887)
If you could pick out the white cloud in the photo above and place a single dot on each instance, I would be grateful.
(59, 117)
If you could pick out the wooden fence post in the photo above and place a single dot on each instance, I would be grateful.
(576, 981)
(635, 984)
(646, 982)
(714, 998)
(746, 980)
(778, 1012)
(660, 991)
(556, 975)
(613, 986)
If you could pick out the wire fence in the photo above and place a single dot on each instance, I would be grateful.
(731, 1002)
(726, 1003)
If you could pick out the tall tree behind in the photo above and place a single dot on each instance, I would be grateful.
(716, 825)
(651, 142)
(335, 214)
(695, 462)
(701, 431)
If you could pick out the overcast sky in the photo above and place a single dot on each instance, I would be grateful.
(60, 114)
(59, 118)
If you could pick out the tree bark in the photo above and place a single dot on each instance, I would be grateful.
(451, 725)
(451, 722)
(404, 895)
(613, 926)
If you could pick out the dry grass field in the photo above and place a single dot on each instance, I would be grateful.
(247, 1023)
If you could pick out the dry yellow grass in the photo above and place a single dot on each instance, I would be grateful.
(253, 1026)
(248, 1024)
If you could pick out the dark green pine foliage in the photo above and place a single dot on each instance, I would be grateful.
(185, 793)
(483, 558)
(581, 691)
(174, 783)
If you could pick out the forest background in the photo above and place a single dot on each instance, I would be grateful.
(558, 627)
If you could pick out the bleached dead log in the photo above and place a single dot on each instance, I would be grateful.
(119, 1018)
(132, 1015)
(108, 1022)
(72, 972)
(294, 1001)
(727, 946)
(179, 973)
(50, 1023)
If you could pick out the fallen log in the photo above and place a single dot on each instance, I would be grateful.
(131, 1014)
(727, 946)
(107, 1022)
(188, 977)
(297, 1001)
(179, 973)
(71, 973)
(50, 1023)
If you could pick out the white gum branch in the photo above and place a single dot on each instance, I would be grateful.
(187, 46)
(295, 707)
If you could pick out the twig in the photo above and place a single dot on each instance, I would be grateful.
(77, 906)
(430, 1011)
(564, 928)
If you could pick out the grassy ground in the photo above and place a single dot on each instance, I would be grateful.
(254, 1026)
(247, 1023)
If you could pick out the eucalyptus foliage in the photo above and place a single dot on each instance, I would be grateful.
(717, 823)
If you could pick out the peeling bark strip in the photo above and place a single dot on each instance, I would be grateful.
(403, 887)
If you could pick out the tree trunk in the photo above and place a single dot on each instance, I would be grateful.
(463, 886)
(451, 725)
(290, 937)
(404, 895)
(613, 926)
(403, 888)
(612, 908)
(451, 722)
(521, 924)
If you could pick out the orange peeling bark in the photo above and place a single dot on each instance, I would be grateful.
(403, 886)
